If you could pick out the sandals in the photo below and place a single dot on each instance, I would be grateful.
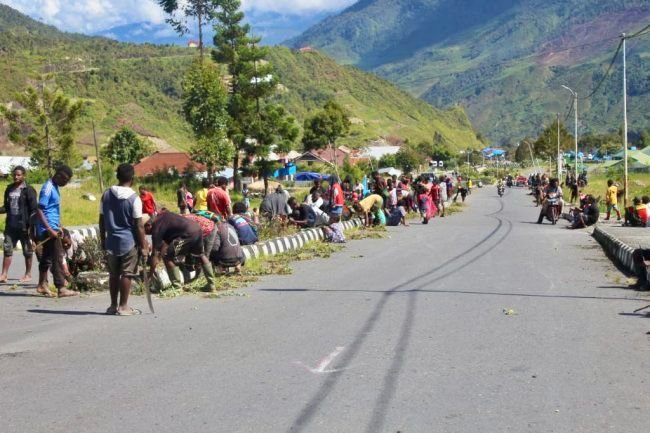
(129, 312)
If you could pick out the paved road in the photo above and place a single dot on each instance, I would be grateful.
(406, 334)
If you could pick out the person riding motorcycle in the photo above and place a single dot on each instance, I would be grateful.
(553, 189)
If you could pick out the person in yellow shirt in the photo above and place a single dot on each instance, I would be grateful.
(201, 196)
(612, 200)
(369, 204)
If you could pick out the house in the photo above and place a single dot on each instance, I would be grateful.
(306, 49)
(167, 161)
(7, 163)
(193, 44)
(325, 156)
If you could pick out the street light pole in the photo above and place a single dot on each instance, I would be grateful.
(626, 178)
(575, 108)
(559, 158)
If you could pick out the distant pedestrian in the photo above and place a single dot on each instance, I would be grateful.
(611, 200)
(121, 231)
(48, 232)
(19, 204)
(181, 198)
(219, 199)
(148, 202)
(201, 196)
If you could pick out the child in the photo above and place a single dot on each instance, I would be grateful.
(334, 231)
(243, 224)
(423, 203)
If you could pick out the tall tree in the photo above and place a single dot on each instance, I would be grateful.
(273, 127)
(205, 102)
(325, 127)
(181, 12)
(126, 147)
(250, 77)
(546, 144)
(45, 126)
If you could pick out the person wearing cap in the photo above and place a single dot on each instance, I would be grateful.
(121, 232)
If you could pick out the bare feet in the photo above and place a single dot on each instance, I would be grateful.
(112, 310)
(25, 279)
(3, 279)
(44, 291)
(65, 293)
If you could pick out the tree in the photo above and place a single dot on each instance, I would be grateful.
(546, 144)
(325, 127)
(126, 147)
(250, 76)
(204, 107)
(408, 158)
(275, 127)
(181, 11)
(45, 126)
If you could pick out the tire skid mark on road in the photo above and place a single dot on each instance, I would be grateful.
(466, 257)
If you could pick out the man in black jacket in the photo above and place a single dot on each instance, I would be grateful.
(19, 205)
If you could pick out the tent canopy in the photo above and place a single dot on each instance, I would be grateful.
(391, 171)
(311, 176)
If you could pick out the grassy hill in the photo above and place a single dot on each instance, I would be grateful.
(504, 60)
(140, 86)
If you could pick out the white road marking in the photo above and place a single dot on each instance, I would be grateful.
(321, 368)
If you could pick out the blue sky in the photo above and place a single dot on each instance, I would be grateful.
(92, 16)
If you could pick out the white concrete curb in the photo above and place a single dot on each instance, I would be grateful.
(620, 251)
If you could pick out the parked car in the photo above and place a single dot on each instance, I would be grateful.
(521, 181)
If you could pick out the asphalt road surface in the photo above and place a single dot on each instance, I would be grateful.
(408, 334)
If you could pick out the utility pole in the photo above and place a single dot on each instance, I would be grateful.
(49, 149)
(99, 164)
(559, 155)
(575, 108)
(626, 177)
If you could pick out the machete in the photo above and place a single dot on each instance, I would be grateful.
(145, 282)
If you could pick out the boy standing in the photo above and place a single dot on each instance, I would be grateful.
(121, 231)
(612, 200)
(19, 205)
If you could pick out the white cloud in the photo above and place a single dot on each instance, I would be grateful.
(296, 7)
(89, 16)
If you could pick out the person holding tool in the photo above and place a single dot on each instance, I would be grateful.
(121, 231)
(48, 230)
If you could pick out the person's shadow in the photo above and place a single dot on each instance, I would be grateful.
(67, 312)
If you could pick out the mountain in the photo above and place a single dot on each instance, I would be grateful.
(139, 85)
(272, 27)
(503, 60)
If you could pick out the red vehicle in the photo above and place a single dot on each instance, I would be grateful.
(521, 181)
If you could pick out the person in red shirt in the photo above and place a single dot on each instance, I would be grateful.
(148, 202)
(219, 199)
(337, 198)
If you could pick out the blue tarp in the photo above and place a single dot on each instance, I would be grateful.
(311, 176)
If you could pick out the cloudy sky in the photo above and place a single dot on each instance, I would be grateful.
(91, 16)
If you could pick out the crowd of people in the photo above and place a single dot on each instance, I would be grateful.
(208, 231)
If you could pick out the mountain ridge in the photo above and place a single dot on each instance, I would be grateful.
(484, 56)
(140, 86)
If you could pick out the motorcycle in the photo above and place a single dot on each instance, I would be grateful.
(553, 207)
(501, 189)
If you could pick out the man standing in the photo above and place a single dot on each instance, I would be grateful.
(19, 205)
(219, 199)
(337, 199)
(611, 198)
(121, 231)
(48, 229)
(181, 199)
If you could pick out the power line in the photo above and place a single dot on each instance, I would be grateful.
(609, 69)
(641, 32)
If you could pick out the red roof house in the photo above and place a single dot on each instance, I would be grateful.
(165, 161)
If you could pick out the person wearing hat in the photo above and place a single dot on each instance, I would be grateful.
(121, 231)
